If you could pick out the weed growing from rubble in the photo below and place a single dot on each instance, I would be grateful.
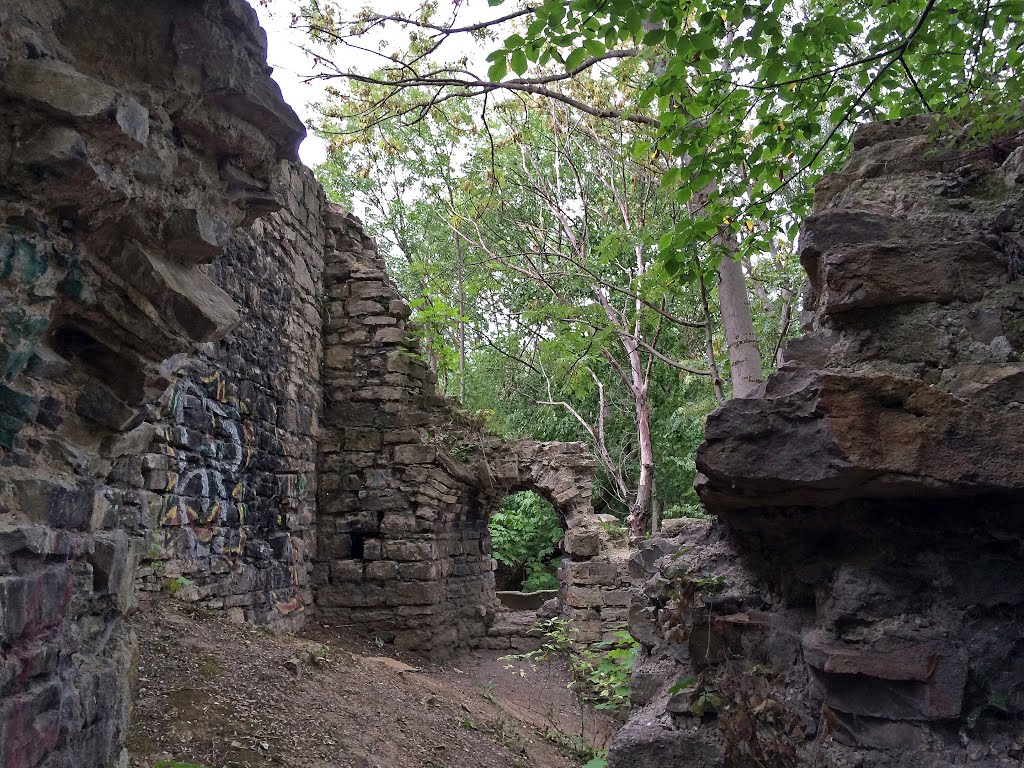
(599, 673)
(599, 678)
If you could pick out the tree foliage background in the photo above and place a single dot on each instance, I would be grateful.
(559, 209)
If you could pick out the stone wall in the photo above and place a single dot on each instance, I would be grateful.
(407, 485)
(230, 479)
(593, 596)
(856, 602)
(133, 143)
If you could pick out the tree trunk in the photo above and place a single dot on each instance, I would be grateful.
(744, 356)
(740, 339)
(644, 486)
(460, 277)
(655, 510)
(709, 341)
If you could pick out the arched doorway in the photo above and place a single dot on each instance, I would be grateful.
(526, 542)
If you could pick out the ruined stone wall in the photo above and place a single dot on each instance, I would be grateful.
(135, 138)
(595, 591)
(403, 546)
(407, 485)
(230, 478)
(593, 595)
(857, 600)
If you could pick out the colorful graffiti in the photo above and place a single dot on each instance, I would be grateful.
(199, 495)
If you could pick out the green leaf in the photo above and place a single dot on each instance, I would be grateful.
(574, 59)
(497, 70)
(634, 22)
(519, 63)
(702, 41)
(514, 41)
(653, 37)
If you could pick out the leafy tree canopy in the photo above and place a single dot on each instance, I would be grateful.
(749, 101)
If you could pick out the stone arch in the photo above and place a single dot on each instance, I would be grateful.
(561, 473)
(593, 579)
(406, 483)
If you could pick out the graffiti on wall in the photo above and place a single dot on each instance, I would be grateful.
(225, 498)
(209, 496)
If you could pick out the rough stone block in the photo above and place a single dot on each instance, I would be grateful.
(413, 593)
(55, 504)
(378, 393)
(346, 570)
(892, 678)
(382, 570)
(390, 336)
(399, 524)
(13, 606)
(594, 572)
(194, 236)
(410, 551)
(59, 86)
(420, 571)
(583, 597)
(356, 308)
(338, 356)
(582, 542)
(202, 309)
(616, 598)
(415, 454)
(372, 289)
(355, 595)
(362, 440)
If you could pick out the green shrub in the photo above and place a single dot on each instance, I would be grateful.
(540, 576)
(526, 535)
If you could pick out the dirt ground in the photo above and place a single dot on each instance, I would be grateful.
(222, 695)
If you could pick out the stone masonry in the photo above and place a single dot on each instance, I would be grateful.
(407, 485)
(208, 386)
(204, 367)
(178, 309)
(230, 478)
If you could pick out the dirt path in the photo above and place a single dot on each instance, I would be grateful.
(222, 695)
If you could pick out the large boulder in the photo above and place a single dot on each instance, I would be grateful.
(853, 602)
(909, 380)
